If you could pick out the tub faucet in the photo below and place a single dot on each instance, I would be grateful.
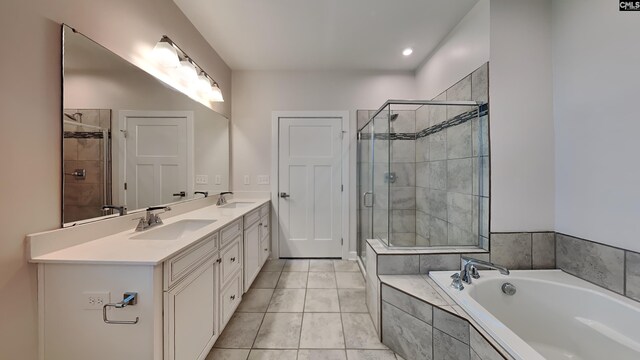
(469, 269)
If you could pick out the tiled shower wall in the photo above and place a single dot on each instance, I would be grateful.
(452, 206)
(83, 149)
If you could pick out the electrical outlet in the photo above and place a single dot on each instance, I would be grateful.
(247, 181)
(263, 180)
(95, 300)
(218, 179)
(202, 179)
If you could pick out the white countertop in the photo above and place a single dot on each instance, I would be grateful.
(120, 249)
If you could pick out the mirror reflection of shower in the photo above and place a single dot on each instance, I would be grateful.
(86, 162)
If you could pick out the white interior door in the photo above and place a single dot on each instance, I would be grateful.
(159, 150)
(310, 180)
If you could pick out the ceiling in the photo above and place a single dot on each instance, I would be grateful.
(324, 34)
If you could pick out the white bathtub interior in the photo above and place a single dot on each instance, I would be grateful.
(553, 315)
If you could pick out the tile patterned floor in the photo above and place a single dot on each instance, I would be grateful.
(304, 310)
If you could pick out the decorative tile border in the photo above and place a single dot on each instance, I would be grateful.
(456, 120)
(83, 135)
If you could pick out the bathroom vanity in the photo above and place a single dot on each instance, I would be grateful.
(188, 277)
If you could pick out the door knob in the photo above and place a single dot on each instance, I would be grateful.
(181, 194)
(284, 195)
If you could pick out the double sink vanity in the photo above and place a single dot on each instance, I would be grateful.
(163, 293)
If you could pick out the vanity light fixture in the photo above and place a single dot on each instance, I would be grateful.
(407, 51)
(187, 71)
(165, 54)
(171, 56)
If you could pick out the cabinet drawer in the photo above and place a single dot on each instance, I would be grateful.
(230, 297)
(180, 265)
(264, 210)
(265, 226)
(251, 218)
(229, 232)
(231, 259)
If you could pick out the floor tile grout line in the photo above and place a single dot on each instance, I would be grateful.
(264, 314)
(303, 314)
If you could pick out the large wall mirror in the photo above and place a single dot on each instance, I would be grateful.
(131, 140)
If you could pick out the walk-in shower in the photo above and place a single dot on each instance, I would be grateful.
(422, 175)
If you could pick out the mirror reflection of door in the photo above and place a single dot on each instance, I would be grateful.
(158, 157)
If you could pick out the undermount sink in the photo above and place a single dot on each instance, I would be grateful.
(235, 205)
(175, 231)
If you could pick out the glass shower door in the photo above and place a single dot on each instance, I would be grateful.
(364, 190)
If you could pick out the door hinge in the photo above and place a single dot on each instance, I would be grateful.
(341, 241)
(125, 133)
(125, 186)
(341, 187)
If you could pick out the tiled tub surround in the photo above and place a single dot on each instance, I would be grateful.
(613, 268)
(421, 322)
(553, 315)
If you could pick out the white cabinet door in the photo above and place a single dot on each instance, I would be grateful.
(265, 239)
(251, 254)
(190, 314)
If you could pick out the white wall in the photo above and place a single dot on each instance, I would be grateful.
(257, 94)
(465, 49)
(521, 120)
(30, 126)
(596, 76)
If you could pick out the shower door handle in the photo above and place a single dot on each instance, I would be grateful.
(364, 199)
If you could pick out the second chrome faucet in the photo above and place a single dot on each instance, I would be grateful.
(151, 219)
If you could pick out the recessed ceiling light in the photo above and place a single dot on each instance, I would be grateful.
(407, 51)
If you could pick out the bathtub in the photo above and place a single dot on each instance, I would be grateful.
(552, 315)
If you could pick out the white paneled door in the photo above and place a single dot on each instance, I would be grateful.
(157, 158)
(309, 188)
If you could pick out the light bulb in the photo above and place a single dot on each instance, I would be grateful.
(188, 71)
(216, 93)
(165, 54)
(407, 51)
(203, 84)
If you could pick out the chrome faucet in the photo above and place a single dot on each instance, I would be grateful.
(221, 199)
(122, 210)
(151, 219)
(469, 269)
(205, 193)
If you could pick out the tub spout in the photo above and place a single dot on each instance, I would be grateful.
(469, 269)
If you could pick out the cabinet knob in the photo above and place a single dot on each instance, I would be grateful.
(233, 297)
(266, 249)
(219, 260)
(233, 259)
